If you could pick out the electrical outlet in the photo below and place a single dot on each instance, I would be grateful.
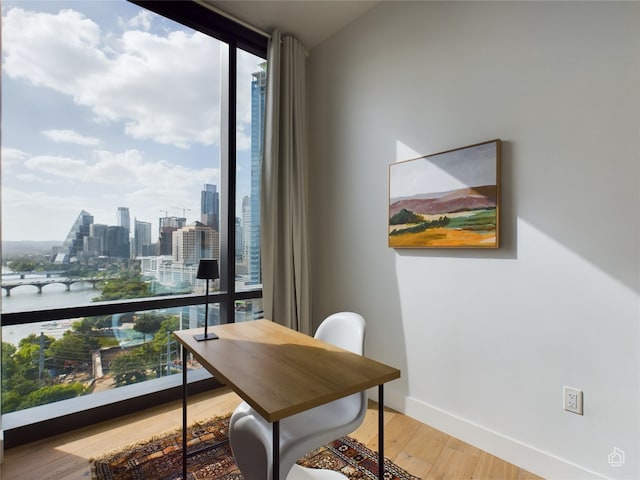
(572, 400)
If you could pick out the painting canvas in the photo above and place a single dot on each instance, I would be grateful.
(446, 200)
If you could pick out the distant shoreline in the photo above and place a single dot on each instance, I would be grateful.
(29, 247)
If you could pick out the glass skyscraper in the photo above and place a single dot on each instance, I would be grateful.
(210, 207)
(258, 94)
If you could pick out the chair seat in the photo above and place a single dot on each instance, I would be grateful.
(301, 473)
(299, 434)
(327, 421)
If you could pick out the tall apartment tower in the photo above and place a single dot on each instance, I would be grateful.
(193, 242)
(141, 239)
(168, 225)
(258, 94)
(210, 207)
(94, 244)
(123, 219)
(246, 227)
(117, 243)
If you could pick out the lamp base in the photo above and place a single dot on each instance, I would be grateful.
(201, 337)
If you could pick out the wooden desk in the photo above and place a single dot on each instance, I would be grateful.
(281, 372)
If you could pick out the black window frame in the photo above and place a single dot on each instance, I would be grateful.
(51, 419)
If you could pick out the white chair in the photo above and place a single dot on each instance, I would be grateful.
(251, 435)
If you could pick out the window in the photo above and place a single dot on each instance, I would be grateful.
(131, 149)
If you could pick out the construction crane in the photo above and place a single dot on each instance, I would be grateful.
(184, 211)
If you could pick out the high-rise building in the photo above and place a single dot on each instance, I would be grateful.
(116, 243)
(238, 252)
(210, 207)
(123, 219)
(193, 242)
(142, 246)
(94, 244)
(73, 245)
(168, 225)
(246, 227)
(258, 94)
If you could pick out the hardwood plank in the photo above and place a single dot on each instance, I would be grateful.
(493, 468)
(457, 460)
(368, 431)
(421, 450)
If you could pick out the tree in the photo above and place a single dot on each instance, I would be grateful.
(19, 373)
(148, 323)
(128, 285)
(53, 393)
(130, 366)
(23, 265)
(73, 347)
(405, 216)
(27, 356)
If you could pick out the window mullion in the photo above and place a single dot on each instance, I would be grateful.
(228, 179)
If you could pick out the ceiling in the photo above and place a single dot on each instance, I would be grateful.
(311, 21)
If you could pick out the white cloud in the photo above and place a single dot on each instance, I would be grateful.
(56, 165)
(164, 88)
(142, 20)
(127, 168)
(71, 136)
(13, 156)
(31, 178)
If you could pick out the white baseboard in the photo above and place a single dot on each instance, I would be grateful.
(524, 456)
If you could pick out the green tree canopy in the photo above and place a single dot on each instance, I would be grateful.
(53, 393)
(128, 285)
(148, 323)
(131, 366)
(72, 348)
(405, 216)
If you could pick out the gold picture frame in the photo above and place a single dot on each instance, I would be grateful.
(449, 199)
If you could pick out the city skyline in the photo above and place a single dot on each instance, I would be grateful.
(88, 124)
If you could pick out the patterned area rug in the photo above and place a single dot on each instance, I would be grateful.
(161, 458)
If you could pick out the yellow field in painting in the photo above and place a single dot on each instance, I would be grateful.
(443, 237)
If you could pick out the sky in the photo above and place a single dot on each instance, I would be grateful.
(107, 105)
(444, 172)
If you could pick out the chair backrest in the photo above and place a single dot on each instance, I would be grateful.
(344, 330)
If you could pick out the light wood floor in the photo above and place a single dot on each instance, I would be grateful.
(424, 452)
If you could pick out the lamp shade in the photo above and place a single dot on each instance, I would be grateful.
(208, 268)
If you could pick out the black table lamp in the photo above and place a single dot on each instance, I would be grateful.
(207, 269)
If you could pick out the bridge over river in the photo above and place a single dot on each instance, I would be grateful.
(41, 283)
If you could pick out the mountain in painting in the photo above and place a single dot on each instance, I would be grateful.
(463, 199)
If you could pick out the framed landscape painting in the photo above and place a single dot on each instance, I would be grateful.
(446, 200)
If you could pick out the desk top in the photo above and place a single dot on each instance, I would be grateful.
(281, 372)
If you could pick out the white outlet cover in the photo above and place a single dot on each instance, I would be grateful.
(572, 400)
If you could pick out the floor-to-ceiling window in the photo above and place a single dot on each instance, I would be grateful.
(131, 147)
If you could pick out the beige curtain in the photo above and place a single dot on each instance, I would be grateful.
(285, 265)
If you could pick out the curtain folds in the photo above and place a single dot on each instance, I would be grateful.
(285, 264)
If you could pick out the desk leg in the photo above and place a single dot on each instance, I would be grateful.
(381, 432)
(276, 450)
(184, 413)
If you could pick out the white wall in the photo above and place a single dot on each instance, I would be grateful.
(487, 339)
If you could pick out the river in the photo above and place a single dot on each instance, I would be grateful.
(53, 296)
